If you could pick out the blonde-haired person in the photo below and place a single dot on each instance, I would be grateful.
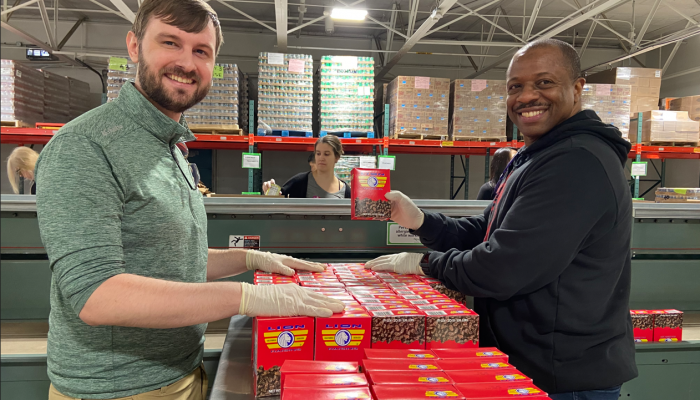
(21, 162)
(321, 181)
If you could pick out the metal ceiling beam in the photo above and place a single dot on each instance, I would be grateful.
(97, 3)
(55, 19)
(533, 18)
(470, 43)
(553, 32)
(302, 11)
(673, 52)
(471, 60)
(376, 21)
(412, 17)
(390, 34)
(305, 24)
(18, 6)
(681, 73)
(247, 16)
(281, 24)
(588, 37)
(489, 21)
(31, 39)
(125, 10)
(471, 12)
(47, 24)
(378, 43)
(489, 38)
(647, 22)
(71, 32)
(690, 19)
(417, 36)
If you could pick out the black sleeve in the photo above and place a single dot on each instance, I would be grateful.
(442, 233)
(485, 192)
(295, 187)
(554, 212)
(348, 193)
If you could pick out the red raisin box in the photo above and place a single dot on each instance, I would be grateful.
(367, 194)
(477, 353)
(462, 364)
(451, 329)
(501, 390)
(410, 378)
(381, 307)
(478, 376)
(343, 336)
(398, 329)
(668, 325)
(354, 393)
(306, 381)
(292, 367)
(276, 340)
(643, 326)
(444, 306)
(432, 301)
(322, 284)
(409, 354)
(398, 366)
(416, 392)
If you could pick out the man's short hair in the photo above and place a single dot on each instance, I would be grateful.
(571, 59)
(191, 16)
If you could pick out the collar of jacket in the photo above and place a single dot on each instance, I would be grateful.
(141, 111)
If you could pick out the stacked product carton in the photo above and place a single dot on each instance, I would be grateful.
(118, 74)
(78, 97)
(666, 126)
(478, 109)
(419, 105)
(244, 102)
(645, 85)
(347, 94)
(610, 102)
(691, 104)
(677, 195)
(56, 89)
(220, 107)
(22, 93)
(285, 92)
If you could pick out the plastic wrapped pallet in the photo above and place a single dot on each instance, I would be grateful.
(285, 92)
(220, 107)
(419, 105)
(344, 166)
(691, 104)
(244, 110)
(610, 102)
(118, 74)
(478, 109)
(56, 98)
(677, 195)
(347, 94)
(645, 85)
(78, 97)
(22, 93)
(666, 127)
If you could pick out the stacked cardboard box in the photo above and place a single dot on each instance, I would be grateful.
(244, 102)
(220, 107)
(117, 76)
(645, 85)
(78, 97)
(56, 94)
(478, 109)
(419, 105)
(691, 104)
(610, 102)
(667, 126)
(347, 93)
(677, 195)
(22, 93)
(285, 92)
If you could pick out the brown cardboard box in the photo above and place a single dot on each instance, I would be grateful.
(691, 104)
(610, 102)
(478, 109)
(645, 83)
(678, 195)
(666, 126)
(419, 105)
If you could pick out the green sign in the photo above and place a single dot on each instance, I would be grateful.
(639, 168)
(386, 162)
(118, 63)
(251, 160)
(218, 72)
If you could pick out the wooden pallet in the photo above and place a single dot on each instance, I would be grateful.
(418, 136)
(216, 129)
(479, 139)
(16, 124)
(669, 144)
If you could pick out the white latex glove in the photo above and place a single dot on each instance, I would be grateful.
(279, 263)
(285, 301)
(403, 211)
(267, 185)
(401, 263)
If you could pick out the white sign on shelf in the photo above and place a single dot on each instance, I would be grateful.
(397, 234)
(275, 58)
(639, 169)
(251, 160)
(386, 162)
(368, 162)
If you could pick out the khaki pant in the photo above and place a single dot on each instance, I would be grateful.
(192, 387)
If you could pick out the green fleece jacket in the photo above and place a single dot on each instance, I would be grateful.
(115, 196)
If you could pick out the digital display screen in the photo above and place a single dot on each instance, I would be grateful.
(37, 53)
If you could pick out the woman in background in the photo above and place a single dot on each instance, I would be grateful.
(501, 158)
(321, 181)
(21, 163)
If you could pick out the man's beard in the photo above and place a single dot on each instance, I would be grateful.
(151, 83)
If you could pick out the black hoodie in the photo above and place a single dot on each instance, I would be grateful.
(552, 280)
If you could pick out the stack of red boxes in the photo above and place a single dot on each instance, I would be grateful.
(657, 325)
(476, 373)
(323, 380)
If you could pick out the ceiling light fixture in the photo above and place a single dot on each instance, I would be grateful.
(349, 14)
